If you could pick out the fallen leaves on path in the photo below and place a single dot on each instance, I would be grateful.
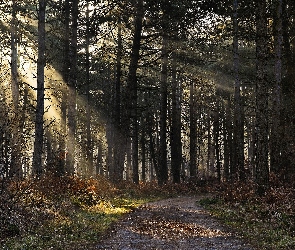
(161, 224)
(176, 223)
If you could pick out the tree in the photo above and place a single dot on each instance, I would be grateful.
(14, 57)
(276, 133)
(132, 86)
(89, 147)
(238, 130)
(120, 144)
(64, 99)
(163, 168)
(15, 164)
(287, 91)
(39, 130)
(72, 92)
(262, 171)
(176, 144)
(193, 130)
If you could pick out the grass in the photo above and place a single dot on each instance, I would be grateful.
(74, 213)
(69, 213)
(76, 226)
(266, 222)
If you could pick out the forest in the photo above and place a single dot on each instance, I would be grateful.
(100, 97)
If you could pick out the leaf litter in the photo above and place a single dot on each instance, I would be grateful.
(175, 223)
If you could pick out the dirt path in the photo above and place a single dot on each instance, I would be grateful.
(176, 223)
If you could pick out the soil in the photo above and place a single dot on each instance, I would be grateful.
(175, 223)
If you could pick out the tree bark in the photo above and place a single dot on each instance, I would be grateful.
(262, 170)
(72, 93)
(143, 142)
(176, 144)
(89, 147)
(14, 57)
(163, 168)
(227, 136)
(16, 131)
(193, 131)
(288, 90)
(238, 130)
(216, 133)
(132, 87)
(120, 141)
(276, 135)
(39, 130)
(64, 100)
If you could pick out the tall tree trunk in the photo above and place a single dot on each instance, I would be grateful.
(15, 164)
(275, 136)
(238, 131)
(111, 170)
(151, 124)
(262, 171)
(176, 145)
(227, 139)
(109, 157)
(89, 147)
(99, 167)
(216, 133)
(193, 131)
(120, 141)
(288, 90)
(38, 144)
(72, 93)
(163, 168)
(210, 154)
(65, 71)
(14, 57)
(132, 86)
(143, 142)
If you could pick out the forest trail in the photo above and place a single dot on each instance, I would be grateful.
(175, 223)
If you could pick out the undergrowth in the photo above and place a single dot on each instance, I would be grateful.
(267, 222)
(66, 212)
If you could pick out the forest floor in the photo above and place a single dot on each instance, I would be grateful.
(174, 223)
(68, 213)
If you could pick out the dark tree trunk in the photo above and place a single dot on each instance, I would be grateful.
(216, 139)
(143, 142)
(288, 90)
(112, 175)
(152, 144)
(193, 131)
(227, 139)
(89, 147)
(262, 171)
(176, 145)
(132, 87)
(99, 166)
(16, 132)
(38, 144)
(14, 56)
(65, 72)
(163, 168)
(120, 140)
(72, 93)
(276, 135)
(238, 131)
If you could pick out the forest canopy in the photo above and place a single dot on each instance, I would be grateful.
(148, 90)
